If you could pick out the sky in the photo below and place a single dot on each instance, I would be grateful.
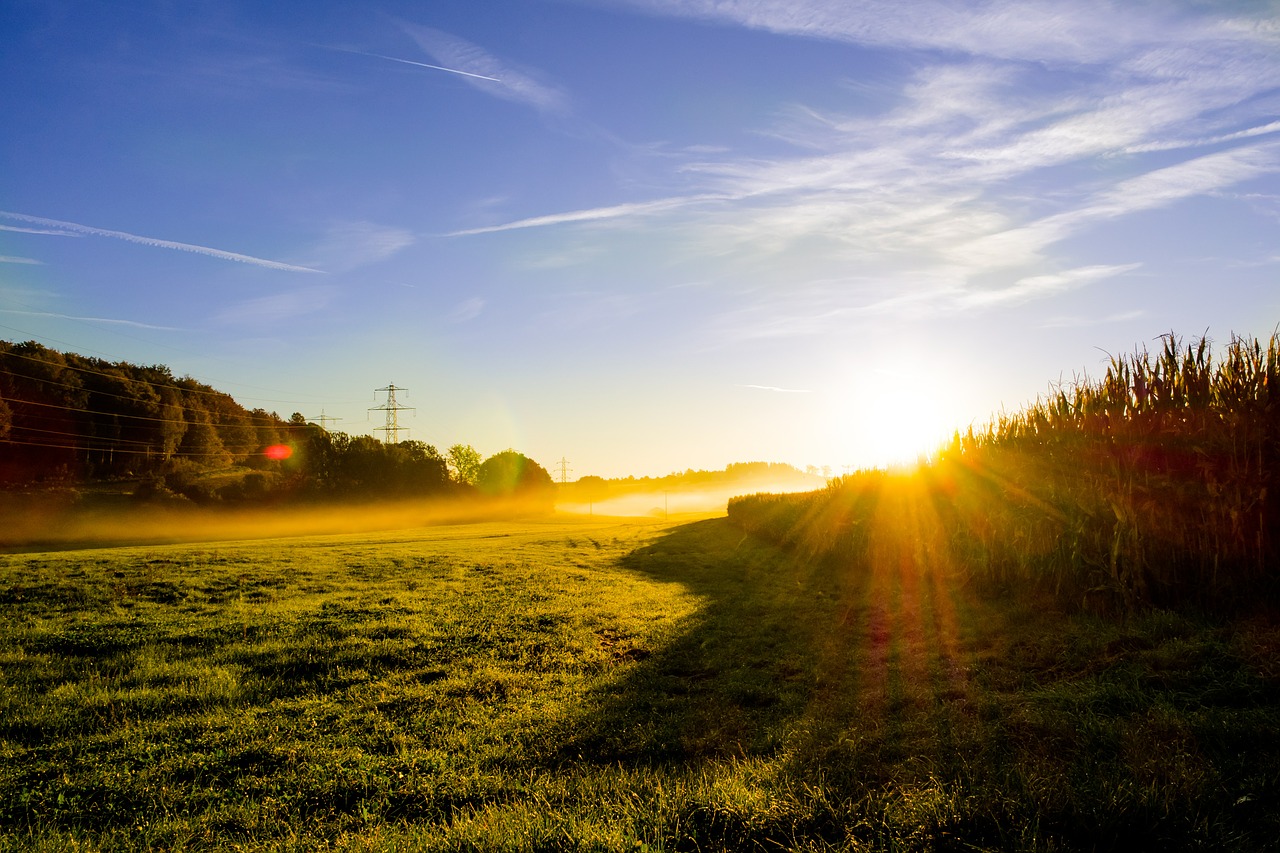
(640, 236)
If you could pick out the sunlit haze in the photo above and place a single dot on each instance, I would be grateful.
(639, 235)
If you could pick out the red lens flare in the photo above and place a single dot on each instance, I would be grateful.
(278, 452)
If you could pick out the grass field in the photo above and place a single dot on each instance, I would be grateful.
(582, 683)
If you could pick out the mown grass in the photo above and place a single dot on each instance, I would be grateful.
(598, 684)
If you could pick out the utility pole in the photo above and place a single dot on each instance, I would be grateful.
(564, 469)
(392, 408)
(324, 419)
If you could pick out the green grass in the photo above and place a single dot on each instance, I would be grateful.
(607, 684)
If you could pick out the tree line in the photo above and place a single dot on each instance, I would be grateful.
(72, 419)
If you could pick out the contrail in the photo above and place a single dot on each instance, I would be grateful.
(39, 231)
(409, 62)
(776, 389)
(134, 323)
(160, 244)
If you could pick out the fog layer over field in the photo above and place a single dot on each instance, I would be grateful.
(659, 503)
(37, 524)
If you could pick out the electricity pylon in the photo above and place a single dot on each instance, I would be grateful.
(564, 469)
(392, 408)
(324, 419)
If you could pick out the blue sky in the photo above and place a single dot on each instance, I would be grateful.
(645, 235)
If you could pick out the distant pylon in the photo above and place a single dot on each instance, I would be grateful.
(324, 419)
(392, 408)
(564, 469)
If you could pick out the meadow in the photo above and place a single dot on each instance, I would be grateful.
(591, 683)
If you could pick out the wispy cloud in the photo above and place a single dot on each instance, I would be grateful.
(775, 389)
(1261, 130)
(1076, 322)
(588, 310)
(1041, 286)
(466, 310)
(617, 211)
(408, 62)
(278, 307)
(12, 259)
(154, 242)
(49, 231)
(351, 245)
(1035, 30)
(1154, 189)
(485, 71)
(958, 197)
(104, 320)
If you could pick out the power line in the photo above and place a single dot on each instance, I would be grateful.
(393, 409)
(122, 450)
(324, 419)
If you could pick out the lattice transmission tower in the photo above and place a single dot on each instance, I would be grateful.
(563, 465)
(324, 420)
(393, 410)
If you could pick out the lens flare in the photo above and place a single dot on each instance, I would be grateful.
(278, 452)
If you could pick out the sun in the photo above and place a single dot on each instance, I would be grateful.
(901, 427)
(889, 416)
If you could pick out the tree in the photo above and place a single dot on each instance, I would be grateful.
(464, 463)
(590, 489)
(511, 474)
(419, 468)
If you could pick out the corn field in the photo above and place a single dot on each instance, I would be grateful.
(1156, 484)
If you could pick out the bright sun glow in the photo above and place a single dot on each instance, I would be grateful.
(901, 427)
(890, 417)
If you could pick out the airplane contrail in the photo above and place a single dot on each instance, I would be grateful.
(409, 62)
(153, 241)
(91, 319)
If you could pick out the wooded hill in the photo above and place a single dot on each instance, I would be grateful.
(70, 419)
(68, 416)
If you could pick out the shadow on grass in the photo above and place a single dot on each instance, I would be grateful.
(916, 714)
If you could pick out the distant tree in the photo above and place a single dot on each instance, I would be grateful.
(266, 425)
(464, 463)
(235, 427)
(6, 418)
(590, 489)
(419, 468)
(200, 443)
(512, 474)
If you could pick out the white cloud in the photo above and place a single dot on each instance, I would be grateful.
(105, 320)
(13, 259)
(155, 242)
(776, 389)
(485, 71)
(1041, 286)
(50, 231)
(590, 215)
(279, 307)
(466, 310)
(1157, 188)
(1023, 124)
(1035, 30)
(1076, 322)
(1262, 130)
(351, 245)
